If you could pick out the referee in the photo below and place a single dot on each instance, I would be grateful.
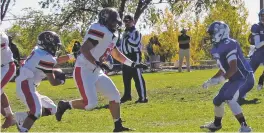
(131, 47)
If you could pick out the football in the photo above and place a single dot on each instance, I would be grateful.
(59, 74)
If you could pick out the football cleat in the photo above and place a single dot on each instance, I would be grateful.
(62, 107)
(9, 121)
(20, 117)
(120, 128)
(125, 99)
(142, 101)
(244, 128)
(211, 126)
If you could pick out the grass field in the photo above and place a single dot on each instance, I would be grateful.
(177, 103)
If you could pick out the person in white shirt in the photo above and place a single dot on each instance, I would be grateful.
(8, 70)
(99, 42)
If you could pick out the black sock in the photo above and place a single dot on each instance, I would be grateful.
(217, 121)
(242, 120)
(68, 105)
(118, 123)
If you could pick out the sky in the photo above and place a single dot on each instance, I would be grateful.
(252, 6)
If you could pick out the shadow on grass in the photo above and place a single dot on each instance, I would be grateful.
(106, 106)
(252, 101)
(71, 88)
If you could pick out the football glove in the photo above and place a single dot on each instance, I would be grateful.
(213, 81)
(60, 75)
(103, 66)
(139, 65)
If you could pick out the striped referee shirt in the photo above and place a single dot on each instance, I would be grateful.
(131, 41)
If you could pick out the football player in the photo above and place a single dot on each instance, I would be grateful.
(257, 31)
(99, 42)
(234, 68)
(8, 69)
(39, 65)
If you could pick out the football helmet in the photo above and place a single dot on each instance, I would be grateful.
(49, 41)
(218, 31)
(110, 18)
(261, 19)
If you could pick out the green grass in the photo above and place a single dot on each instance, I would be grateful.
(177, 103)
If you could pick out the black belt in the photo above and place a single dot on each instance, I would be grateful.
(7, 63)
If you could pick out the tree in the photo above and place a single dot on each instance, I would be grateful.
(5, 4)
(85, 11)
(25, 32)
(235, 15)
(232, 12)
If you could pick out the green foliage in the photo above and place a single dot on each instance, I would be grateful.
(25, 32)
(235, 15)
(233, 12)
(177, 103)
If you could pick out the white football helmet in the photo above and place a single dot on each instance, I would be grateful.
(218, 31)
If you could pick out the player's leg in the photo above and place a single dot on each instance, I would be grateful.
(127, 76)
(48, 106)
(260, 81)
(231, 96)
(26, 91)
(85, 81)
(255, 60)
(106, 86)
(140, 85)
(181, 56)
(187, 57)
(247, 86)
(7, 73)
(218, 110)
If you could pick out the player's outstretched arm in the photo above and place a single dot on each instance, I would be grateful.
(116, 54)
(65, 58)
(53, 81)
(218, 74)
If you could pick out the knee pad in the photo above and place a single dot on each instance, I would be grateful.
(217, 101)
(33, 117)
(219, 110)
(234, 106)
(90, 106)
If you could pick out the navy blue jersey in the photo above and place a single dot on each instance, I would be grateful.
(258, 29)
(228, 50)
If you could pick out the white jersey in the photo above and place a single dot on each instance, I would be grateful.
(106, 42)
(6, 53)
(36, 65)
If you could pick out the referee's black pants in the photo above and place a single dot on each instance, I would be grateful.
(136, 74)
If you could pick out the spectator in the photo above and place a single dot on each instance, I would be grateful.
(184, 45)
(76, 48)
(152, 56)
(15, 52)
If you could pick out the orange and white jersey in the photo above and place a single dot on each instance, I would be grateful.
(6, 53)
(36, 65)
(106, 42)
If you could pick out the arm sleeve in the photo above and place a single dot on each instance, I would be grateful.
(136, 41)
(94, 33)
(47, 63)
(255, 34)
